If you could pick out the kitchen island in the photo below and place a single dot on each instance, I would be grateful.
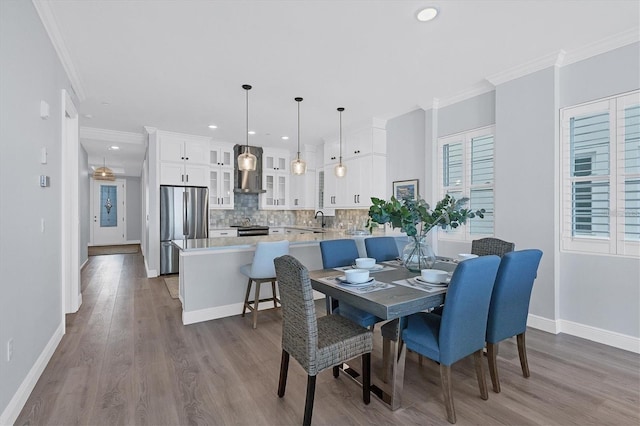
(211, 285)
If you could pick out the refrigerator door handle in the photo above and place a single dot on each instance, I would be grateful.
(185, 217)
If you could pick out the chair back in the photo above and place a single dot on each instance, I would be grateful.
(262, 265)
(336, 253)
(509, 306)
(466, 307)
(381, 248)
(487, 246)
(299, 324)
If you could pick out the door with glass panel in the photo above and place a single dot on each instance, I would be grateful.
(108, 212)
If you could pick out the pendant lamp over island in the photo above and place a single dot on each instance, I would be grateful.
(340, 169)
(298, 166)
(247, 161)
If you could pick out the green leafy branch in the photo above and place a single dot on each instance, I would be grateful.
(415, 216)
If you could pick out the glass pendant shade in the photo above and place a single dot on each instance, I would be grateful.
(247, 161)
(298, 166)
(340, 170)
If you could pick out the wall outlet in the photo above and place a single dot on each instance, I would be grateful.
(9, 349)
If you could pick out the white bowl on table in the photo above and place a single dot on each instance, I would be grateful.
(465, 256)
(435, 276)
(356, 276)
(365, 262)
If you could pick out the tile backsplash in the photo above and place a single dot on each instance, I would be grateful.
(246, 207)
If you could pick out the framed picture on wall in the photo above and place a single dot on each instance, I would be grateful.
(405, 189)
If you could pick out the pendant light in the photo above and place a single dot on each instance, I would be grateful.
(340, 169)
(103, 173)
(298, 166)
(247, 161)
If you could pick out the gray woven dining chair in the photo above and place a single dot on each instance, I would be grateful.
(316, 343)
(488, 246)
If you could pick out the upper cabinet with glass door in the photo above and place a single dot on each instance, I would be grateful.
(275, 171)
(221, 176)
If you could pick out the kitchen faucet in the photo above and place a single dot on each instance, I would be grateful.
(316, 216)
(246, 221)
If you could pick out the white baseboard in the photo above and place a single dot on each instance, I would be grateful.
(207, 314)
(11, 413)
(133, 242)
(151, 273)
(606, 337)
(544, 324)
(84, 263)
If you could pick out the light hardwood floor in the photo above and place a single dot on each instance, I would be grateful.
(126, 358)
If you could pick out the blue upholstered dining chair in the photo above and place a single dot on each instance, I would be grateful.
(381, 248)
(344, 252)
(509, 306)
(461, 329)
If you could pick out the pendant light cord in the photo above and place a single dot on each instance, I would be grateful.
(299, 100)
(340, 110)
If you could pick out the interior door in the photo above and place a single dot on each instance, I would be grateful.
(108, 212)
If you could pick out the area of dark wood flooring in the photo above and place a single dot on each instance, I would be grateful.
(126, 358)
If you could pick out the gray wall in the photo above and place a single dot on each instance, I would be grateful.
(526, 130)
(406, 149)
(472, 113)
(134, 208)
(588, 294)
(85, 204)
(30, 261)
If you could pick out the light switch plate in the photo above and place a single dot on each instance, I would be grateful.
(44, 110)
(44, 181)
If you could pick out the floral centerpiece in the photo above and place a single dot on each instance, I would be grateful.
(416, 218)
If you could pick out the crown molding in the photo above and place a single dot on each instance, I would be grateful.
(111, 136)
(630, 36)
(477, 89)
(553, 59)
(51, 27)
(150, 130)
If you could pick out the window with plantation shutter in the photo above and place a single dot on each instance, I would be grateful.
(465, 168)
(601, 176)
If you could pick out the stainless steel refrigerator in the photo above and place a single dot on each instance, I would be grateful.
(184, 214)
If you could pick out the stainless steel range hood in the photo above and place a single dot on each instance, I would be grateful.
(248, 182)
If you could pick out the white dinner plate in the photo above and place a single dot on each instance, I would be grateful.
(343, 281)
(423, 281)
(375, 267)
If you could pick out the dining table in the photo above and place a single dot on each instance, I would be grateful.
(393, 294)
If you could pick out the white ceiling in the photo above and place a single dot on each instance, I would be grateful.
(179, 65)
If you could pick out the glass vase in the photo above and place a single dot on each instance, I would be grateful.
(418, 255)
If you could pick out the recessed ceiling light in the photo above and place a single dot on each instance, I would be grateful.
(89, 116)
(427, 14)
(105, 103)
(251, 132)
(114, 147)
(285, 138)
(213, 126)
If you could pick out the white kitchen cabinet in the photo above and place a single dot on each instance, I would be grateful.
(221, 175)
(363, 153)
(184, 159)
(275, 172)
(221, 154)
(303, 191)
(302, 188)
(276, 231)
(221, 188)
(222, 233)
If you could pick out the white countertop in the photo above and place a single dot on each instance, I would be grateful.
(246, 242)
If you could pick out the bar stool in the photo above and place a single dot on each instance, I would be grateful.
(262, 270)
